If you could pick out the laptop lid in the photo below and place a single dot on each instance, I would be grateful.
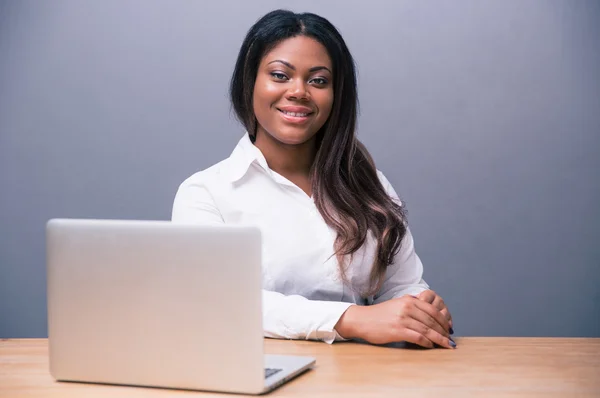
(155, 303)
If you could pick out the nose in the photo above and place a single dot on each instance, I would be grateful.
(298, 91)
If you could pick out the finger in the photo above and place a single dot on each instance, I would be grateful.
(411, 336)
(433, 298)
(441, 305)
(434, 313)
(427, 320)
(438, 303)
(427, 296)
(447, 315)
(429, 333)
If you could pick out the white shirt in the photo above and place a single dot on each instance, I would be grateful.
(303, 294)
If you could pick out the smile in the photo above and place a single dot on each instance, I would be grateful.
(294, 114)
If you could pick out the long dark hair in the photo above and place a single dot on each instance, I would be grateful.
(345, 185)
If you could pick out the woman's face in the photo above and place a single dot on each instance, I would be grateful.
(293, 93)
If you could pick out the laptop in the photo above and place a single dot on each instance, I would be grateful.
(159, 304)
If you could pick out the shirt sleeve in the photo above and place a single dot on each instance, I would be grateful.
(405, 275)
(194, 204)
(284, 317)
(296, 317)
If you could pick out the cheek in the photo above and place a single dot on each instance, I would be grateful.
(325, 103)
(265, 93)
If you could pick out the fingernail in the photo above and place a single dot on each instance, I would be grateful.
(451, 330)
(452, 343)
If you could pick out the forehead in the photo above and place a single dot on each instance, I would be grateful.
(300, 51)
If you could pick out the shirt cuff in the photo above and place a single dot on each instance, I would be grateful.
(327, 332)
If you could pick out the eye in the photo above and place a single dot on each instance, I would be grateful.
(279, 76)
(320, 81)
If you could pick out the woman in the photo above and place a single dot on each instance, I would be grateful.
(338, 257)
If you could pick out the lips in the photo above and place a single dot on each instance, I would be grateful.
(295, 114)
(295, 109)
(298, 118)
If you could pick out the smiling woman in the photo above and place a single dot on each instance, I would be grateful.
(293, 96)
(293, 93)
(338, 256)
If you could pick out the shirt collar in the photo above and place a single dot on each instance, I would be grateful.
(244, 154)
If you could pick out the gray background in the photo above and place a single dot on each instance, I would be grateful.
(484, 115)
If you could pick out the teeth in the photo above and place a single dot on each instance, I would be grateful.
(295, 114)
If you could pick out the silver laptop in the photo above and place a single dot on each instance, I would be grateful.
(153, 303)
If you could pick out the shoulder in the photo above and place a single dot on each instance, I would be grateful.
(204, 185)
(383, 179)
(207, 177)
(387, 186)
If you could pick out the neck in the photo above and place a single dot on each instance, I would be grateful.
(287, 160)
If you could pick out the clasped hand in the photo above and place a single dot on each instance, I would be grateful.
(423, 320)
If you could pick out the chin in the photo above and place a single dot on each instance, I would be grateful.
(294, 137)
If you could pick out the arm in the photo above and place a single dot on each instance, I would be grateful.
(405, 275)
(287, 317)
(397, 314)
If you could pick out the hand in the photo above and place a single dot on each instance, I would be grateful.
(431, 297)
(401, 319)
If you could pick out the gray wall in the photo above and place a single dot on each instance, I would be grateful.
(485, 115)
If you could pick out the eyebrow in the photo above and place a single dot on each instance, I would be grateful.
(292, 67)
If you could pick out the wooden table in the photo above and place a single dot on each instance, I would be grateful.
(480, 367)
